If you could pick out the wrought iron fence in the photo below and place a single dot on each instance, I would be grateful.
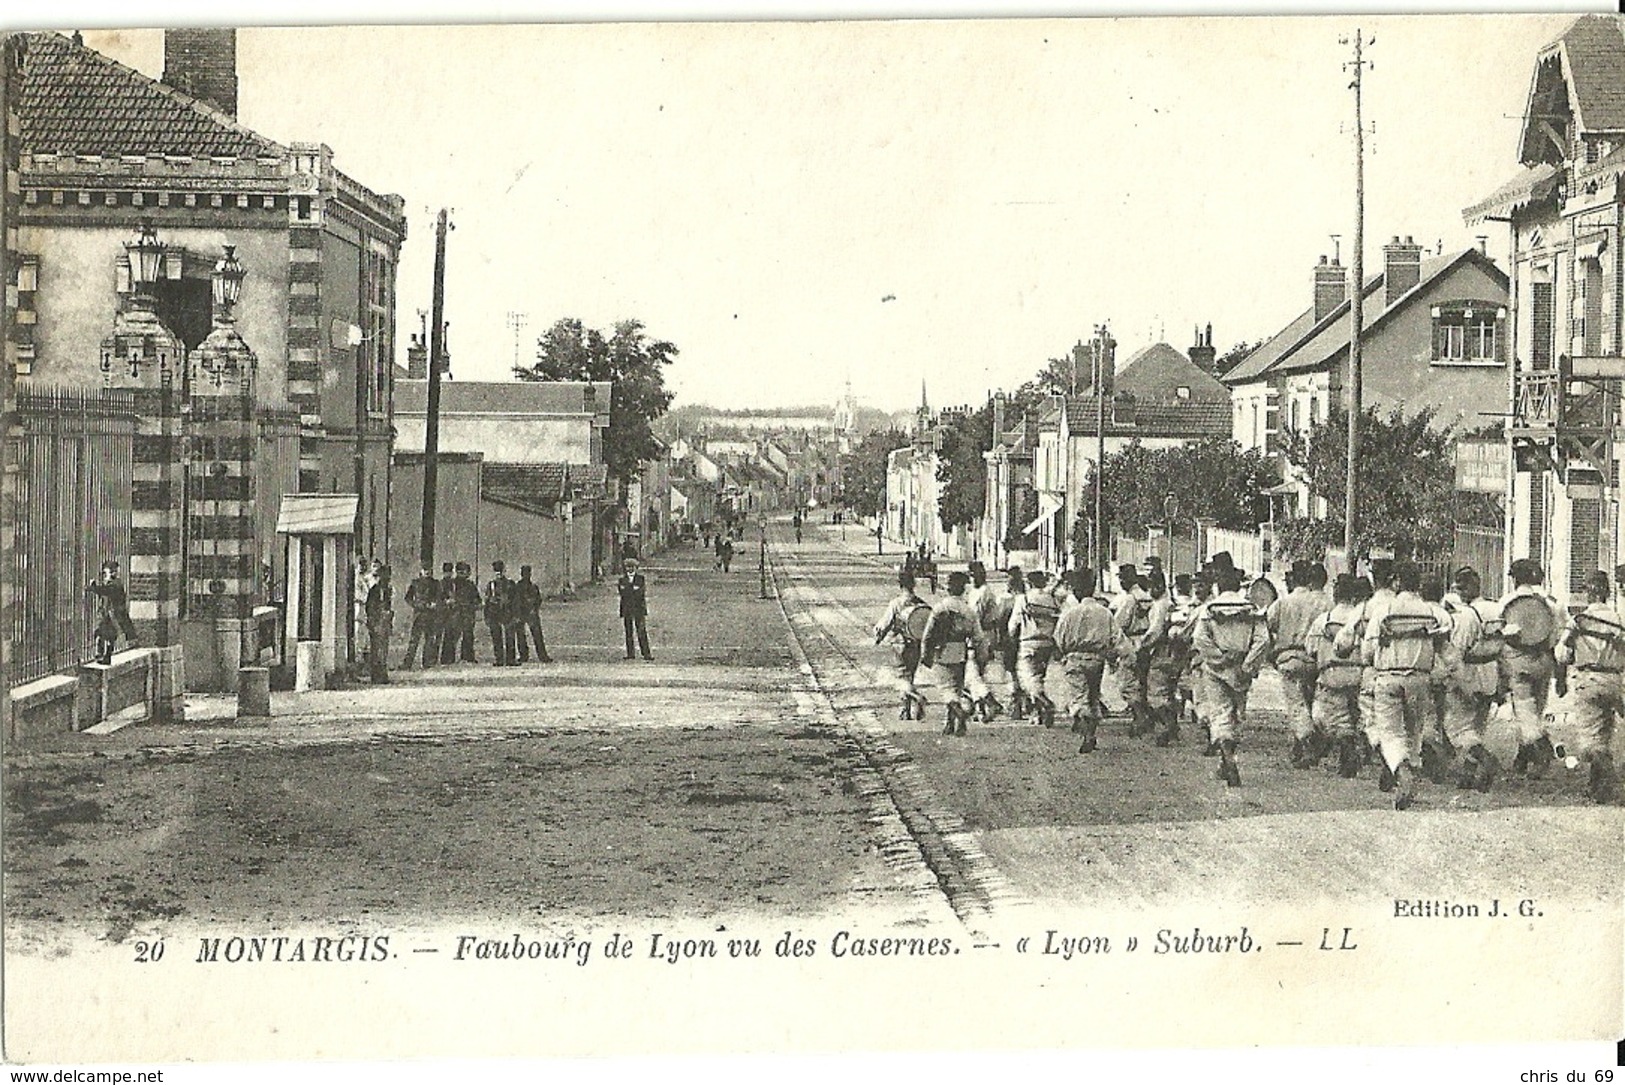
(75, 464)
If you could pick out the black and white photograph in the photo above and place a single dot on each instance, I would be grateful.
(836, 533)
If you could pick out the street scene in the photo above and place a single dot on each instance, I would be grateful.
(798, 519)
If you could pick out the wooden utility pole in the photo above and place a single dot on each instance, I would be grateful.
(431, 434)
(1352, 398)
(1103, 364)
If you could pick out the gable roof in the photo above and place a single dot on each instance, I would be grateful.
(74, 100)
(1306, 343)
(1593, 50)
(505, 397)
(1159, 369)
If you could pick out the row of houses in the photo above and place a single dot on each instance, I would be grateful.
(1528, 358)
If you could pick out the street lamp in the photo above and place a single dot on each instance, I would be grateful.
(146, 254)
(227, 285)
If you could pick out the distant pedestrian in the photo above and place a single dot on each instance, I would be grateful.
(634, 607)
(499, 619)
(726, 556)
(112, 612)
(528, 603)
(380, 622)
(423, 596)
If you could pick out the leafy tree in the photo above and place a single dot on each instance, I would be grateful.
(1233, 357)
(961, 470)
(1213, 479)
(1406, 497)
(863, 470)
(569, 351)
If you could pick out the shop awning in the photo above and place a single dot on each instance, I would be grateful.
(1048, 506)
(317, 514)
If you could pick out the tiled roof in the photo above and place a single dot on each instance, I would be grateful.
(503, 397)
(1159, 369)
(534, 487)
(1161, 417)
(1595, 46)
(1307, 344)
(76, 101)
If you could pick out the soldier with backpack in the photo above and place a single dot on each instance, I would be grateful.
(1032, 624)
(1232, 640)
(1335, 711)
(1009, 646)
(1593, 648)
(1532, 621)
(1087, 637)
(1132, 609)
(952, 636)
(906, 618)
(1166, 646)
(1402, 637)
(499, 617)
(1289, 619)
(1472, 681)
(984, 604)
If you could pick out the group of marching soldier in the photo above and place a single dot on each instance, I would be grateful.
(1390, 668)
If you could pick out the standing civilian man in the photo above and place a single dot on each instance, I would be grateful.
(634, 592)
(423, 596)
(528, 598)
(499, 616)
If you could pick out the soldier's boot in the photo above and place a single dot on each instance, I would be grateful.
(1316, 746)
(1385, 779)
(953, 718)
(1169, 733)
(1089, 726)
(1348, 757)
(965, 711)
(1299, 755)
(919, 705)
(1488, 769)
(1212, 748)
(1228, 772)
(1018, 705)
(1435, 764)
(907, 711)
(1467, 769)
(1603, 785)
(1404, 786)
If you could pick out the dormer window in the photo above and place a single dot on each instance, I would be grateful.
(1182, 392)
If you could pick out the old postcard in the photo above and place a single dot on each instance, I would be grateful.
(788, 537)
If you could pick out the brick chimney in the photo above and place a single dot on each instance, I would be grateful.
(1202, 353)
(998, 417)
(1401, 268)
(417, 360)
(1083, 365)
(1331, 288)
(202, 62)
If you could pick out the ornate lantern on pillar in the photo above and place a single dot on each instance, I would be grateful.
(142, 352)
(222, 549)
(223, 363)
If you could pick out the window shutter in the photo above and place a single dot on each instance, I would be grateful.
(1500, 339)
(1438, 336)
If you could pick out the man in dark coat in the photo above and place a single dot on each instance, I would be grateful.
(528, 606)
(499, 617)
(466, 593)
(634, 593)
(113, 612)
(423, 596)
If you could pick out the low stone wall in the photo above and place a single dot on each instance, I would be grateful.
(63, 703)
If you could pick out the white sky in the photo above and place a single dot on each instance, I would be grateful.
(752, 192)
